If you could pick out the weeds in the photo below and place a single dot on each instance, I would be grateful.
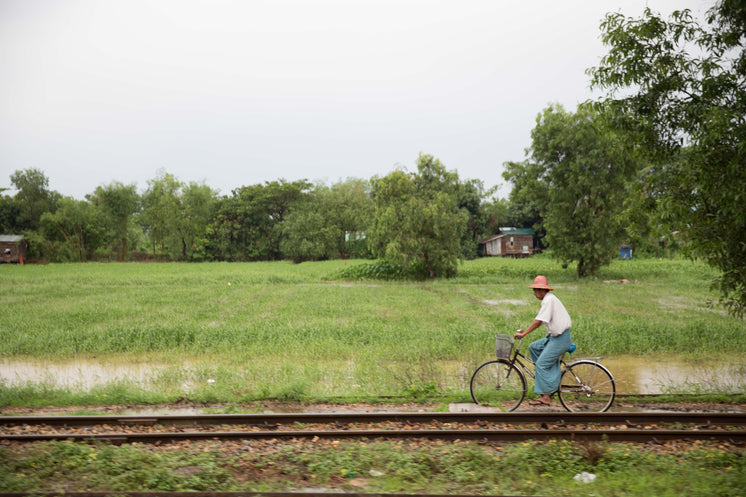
(376, 467)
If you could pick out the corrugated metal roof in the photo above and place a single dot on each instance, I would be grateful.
(11, 238)
(493, 237)
(517, 231)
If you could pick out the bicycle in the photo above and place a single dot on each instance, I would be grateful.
(585, 385)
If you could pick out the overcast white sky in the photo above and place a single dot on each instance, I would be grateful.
(239, 92)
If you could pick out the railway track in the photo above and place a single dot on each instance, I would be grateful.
(480, 426)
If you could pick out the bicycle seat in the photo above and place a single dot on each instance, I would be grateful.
(572, 349)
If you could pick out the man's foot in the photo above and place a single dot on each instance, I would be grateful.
(544, 400)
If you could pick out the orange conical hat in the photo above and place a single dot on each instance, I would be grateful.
(541, 282)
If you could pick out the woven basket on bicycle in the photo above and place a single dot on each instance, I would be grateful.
(503, 346)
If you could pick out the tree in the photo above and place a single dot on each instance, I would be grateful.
(528, 197)
(8, 213)
(161, 214)
(198, 203)
(471, 195)
(417, 220)
(496, 213)
(578, 170)
(248, 225)
(75, 230)
(119, 203)
(308, 235)
(33, 198)
(680, 91)
(319, 227)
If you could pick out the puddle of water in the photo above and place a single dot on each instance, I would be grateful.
(76, 375)
(504, 301)
(650, 375)
(633, 375)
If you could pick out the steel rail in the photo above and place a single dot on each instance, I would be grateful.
(277, 419)
(636, 427)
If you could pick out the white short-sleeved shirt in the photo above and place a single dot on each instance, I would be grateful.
(554, 315)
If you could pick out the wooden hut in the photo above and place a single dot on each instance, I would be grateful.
(510, 242)
(12, 248)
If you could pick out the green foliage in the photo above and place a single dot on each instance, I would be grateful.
(418, 219)
(294, 392)
(118, 203)
(32, 200)
(380, 270)
(529, 195)
(685, 111)
(197, 204)
(74, 232)
(482, 218)
(113, 468)
(172, 221)
(9, 213)
(161, 213)
(177, 216)
(330, 223)
(376, 467)
(248, 224)
(576, 178)
(495, 213)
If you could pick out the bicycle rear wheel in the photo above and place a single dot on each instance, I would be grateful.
(498, 384)
(586, 386)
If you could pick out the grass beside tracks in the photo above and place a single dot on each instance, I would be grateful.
(232, 332)
(379, 467)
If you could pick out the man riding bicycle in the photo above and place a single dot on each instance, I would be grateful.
(546, 352)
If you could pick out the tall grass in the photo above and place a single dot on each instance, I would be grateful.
(286, 330)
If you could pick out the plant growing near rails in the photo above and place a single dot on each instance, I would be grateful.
(696, 469)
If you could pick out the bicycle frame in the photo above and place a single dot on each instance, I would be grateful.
(517, 353)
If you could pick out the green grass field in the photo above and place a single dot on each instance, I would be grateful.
(233, 332)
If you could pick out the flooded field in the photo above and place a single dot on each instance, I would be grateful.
(663, 375)
(74, 375)
(633, 375)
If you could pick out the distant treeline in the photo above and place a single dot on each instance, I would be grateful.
(176, 221)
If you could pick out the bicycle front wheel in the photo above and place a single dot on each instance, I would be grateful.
(498, 384)
(586, 386)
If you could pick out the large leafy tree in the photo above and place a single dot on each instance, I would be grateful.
(33, 198)
(495, 213)
(119, 203)
(576, 175)
(680, 89)
(161, 214)
(331, 222)
(528, 197)
(248, 225)
(75, 231)
(8, 213)
(471, 200)
(198, 203)
(418, 221)
(176, 216)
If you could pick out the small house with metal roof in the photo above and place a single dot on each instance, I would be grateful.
(12, 248)
(509, 242)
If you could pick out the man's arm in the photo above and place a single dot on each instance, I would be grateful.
(532, 327)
